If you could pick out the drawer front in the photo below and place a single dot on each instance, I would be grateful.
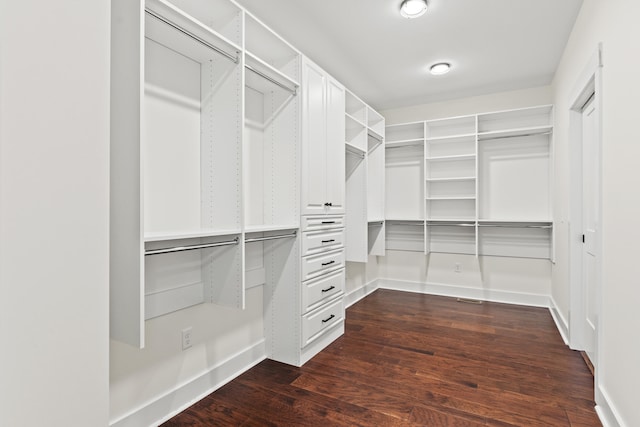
(317, 265)
(322, 241)
(316, 322)
(317, 291)
(312, 223)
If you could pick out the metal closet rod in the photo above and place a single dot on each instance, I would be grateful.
(515, 226)
(450, 224)
(262, 239)
(294, 91)
(490, 138)
(190, 247)
(222, 52)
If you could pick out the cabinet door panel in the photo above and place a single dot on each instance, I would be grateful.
(335, 146)
(314, 148)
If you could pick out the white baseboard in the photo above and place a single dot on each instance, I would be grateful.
(606, 410)
(357, 294)
(182, 396)
(507, 297)
(561, 323)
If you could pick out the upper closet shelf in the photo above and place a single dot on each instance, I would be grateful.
(512, 133)
(404, 142)
(354, 149)
(173, 28)
(270, 48)
(452, 158)
(450, 137)
(353, 121)
(160, 237)
(265, 78)
(265, 228)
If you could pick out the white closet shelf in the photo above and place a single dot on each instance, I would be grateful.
(354, 149)
(451, 158)
(163, 236)
(512, 133)
(450, 137)
(265, 228)
(405, 142)
(455, 178)
(375, 220)
(173, 28)
(353, 122)
(451, 198)
(375, 134)
(264, 77)
(408, 220)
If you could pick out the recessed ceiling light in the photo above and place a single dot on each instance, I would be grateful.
(413, 8)
(440, 68)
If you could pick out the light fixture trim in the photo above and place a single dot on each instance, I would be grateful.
(413, 8)
(440, 68)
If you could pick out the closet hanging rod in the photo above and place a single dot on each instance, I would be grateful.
(451, 224)
(262, 239)
(515, 226)
(222, 52)
(190, 247)
(490, 138)
(376, 223)
(294, 91)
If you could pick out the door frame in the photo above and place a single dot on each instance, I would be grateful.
(588, 83)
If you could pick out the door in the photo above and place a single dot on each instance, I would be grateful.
(335, 146)
(590, 224)
(314, 157)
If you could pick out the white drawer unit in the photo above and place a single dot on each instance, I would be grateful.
(317, 291)
(313, 223)
(317, 265)
(322, 241)
(314, 324)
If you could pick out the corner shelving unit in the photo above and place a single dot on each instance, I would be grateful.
(364, 147)
(404, 170)
(486, 184)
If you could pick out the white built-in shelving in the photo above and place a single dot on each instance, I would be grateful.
(365, 182)
(205, 159)
(485, 180)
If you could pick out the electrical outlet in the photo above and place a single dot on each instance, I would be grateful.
(186, 338)
(457, 267)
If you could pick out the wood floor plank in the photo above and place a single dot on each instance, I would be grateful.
(418, 360)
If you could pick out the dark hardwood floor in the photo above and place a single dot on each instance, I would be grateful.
(410, 359)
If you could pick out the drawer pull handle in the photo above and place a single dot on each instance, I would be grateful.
(328, 222)
(329, 241)
(328, 289)
(328, 318)
(328, 204)
(324, 264)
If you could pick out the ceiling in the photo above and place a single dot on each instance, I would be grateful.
(493, 45)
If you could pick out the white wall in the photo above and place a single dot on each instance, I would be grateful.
(141, 378)
(505, 279)
(54, 205)
(615, 24)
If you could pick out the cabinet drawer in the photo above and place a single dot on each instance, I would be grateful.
(322, 241)
(311, 223)
(324, 288)
(317, 265)
(314, 323)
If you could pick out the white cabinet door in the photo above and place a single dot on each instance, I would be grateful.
(314, 167)
(335, 146)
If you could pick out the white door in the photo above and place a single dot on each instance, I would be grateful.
(590, 224)
(314, 158)
(335, 146)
